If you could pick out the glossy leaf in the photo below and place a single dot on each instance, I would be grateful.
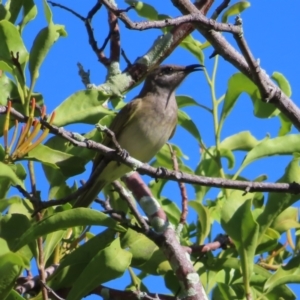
(68, 164)
(12, 226)
(13, 295)
(237, 84)
(164, 159)
(66, 219)
(203, 221)
(143, 9)
(41, 46)
(14, 8)
(29, 13)
(12, 43)
(4, 13)
(290, 273)
(194, 47)
(4, 203)
(238, 222)
(207, 167)
(145, 254)
(11, 266)
(171, 209)
(6, 172)
(81, 107)
(113, 259)
(234, 10)
(75, 262)
(282, 82)
(286, 124)
(188, 124)
(278, 202)
(243, 141)
(224, 292)
(269, 147)
(288, 219)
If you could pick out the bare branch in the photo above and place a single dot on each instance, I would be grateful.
(145, 169)
(223, 48)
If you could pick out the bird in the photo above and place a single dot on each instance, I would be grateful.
(142, 126)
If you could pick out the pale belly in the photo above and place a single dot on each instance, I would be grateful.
(142, 139)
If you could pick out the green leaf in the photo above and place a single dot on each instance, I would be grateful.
(7, 173)
(68, 164)
(4, 203)
(75, 262)
(278, 202)
(270, 147)
(14, 7)
(12, 226)
(283, 83)
(143, 9)
(13, 295)
(203, 221)
(11, 266)
(237, 84)
(3, 247)
(234, 10)
(164, 159)
(29, 13)
(242, 141)
(146, 255)
(171, 209)
(51, 242)
(41, 46)
(187, 123)
(194, 47)
(224, 292)
(238, 222)
(183, 101)
(207, 167)
(288, 219)
(286, 124)
(4, 13)
(290, 273)
(11, 42)
(66, 219)
(82, 107)
(113, 259)
(47, 12)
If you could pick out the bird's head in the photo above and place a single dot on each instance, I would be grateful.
(169, 77)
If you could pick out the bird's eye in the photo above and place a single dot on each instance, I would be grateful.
(168, 70)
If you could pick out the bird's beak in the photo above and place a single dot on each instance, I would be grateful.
(193, 68)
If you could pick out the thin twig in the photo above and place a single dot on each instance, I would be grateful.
(219, 9)
(114, 31)
(67, 9)
(144, 168)
(182, 188)
(125, 58)
(121, 191)
(40, 261)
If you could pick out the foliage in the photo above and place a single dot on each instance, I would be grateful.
(255, 225)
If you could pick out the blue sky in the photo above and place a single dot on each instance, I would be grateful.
(271, 29)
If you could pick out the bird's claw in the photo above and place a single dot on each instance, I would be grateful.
(160, 170)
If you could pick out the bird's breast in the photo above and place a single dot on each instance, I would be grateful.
(149, 130)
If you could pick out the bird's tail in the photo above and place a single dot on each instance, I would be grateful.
(87, 198)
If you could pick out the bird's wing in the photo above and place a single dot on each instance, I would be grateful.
(173, 131)
(121, 120)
